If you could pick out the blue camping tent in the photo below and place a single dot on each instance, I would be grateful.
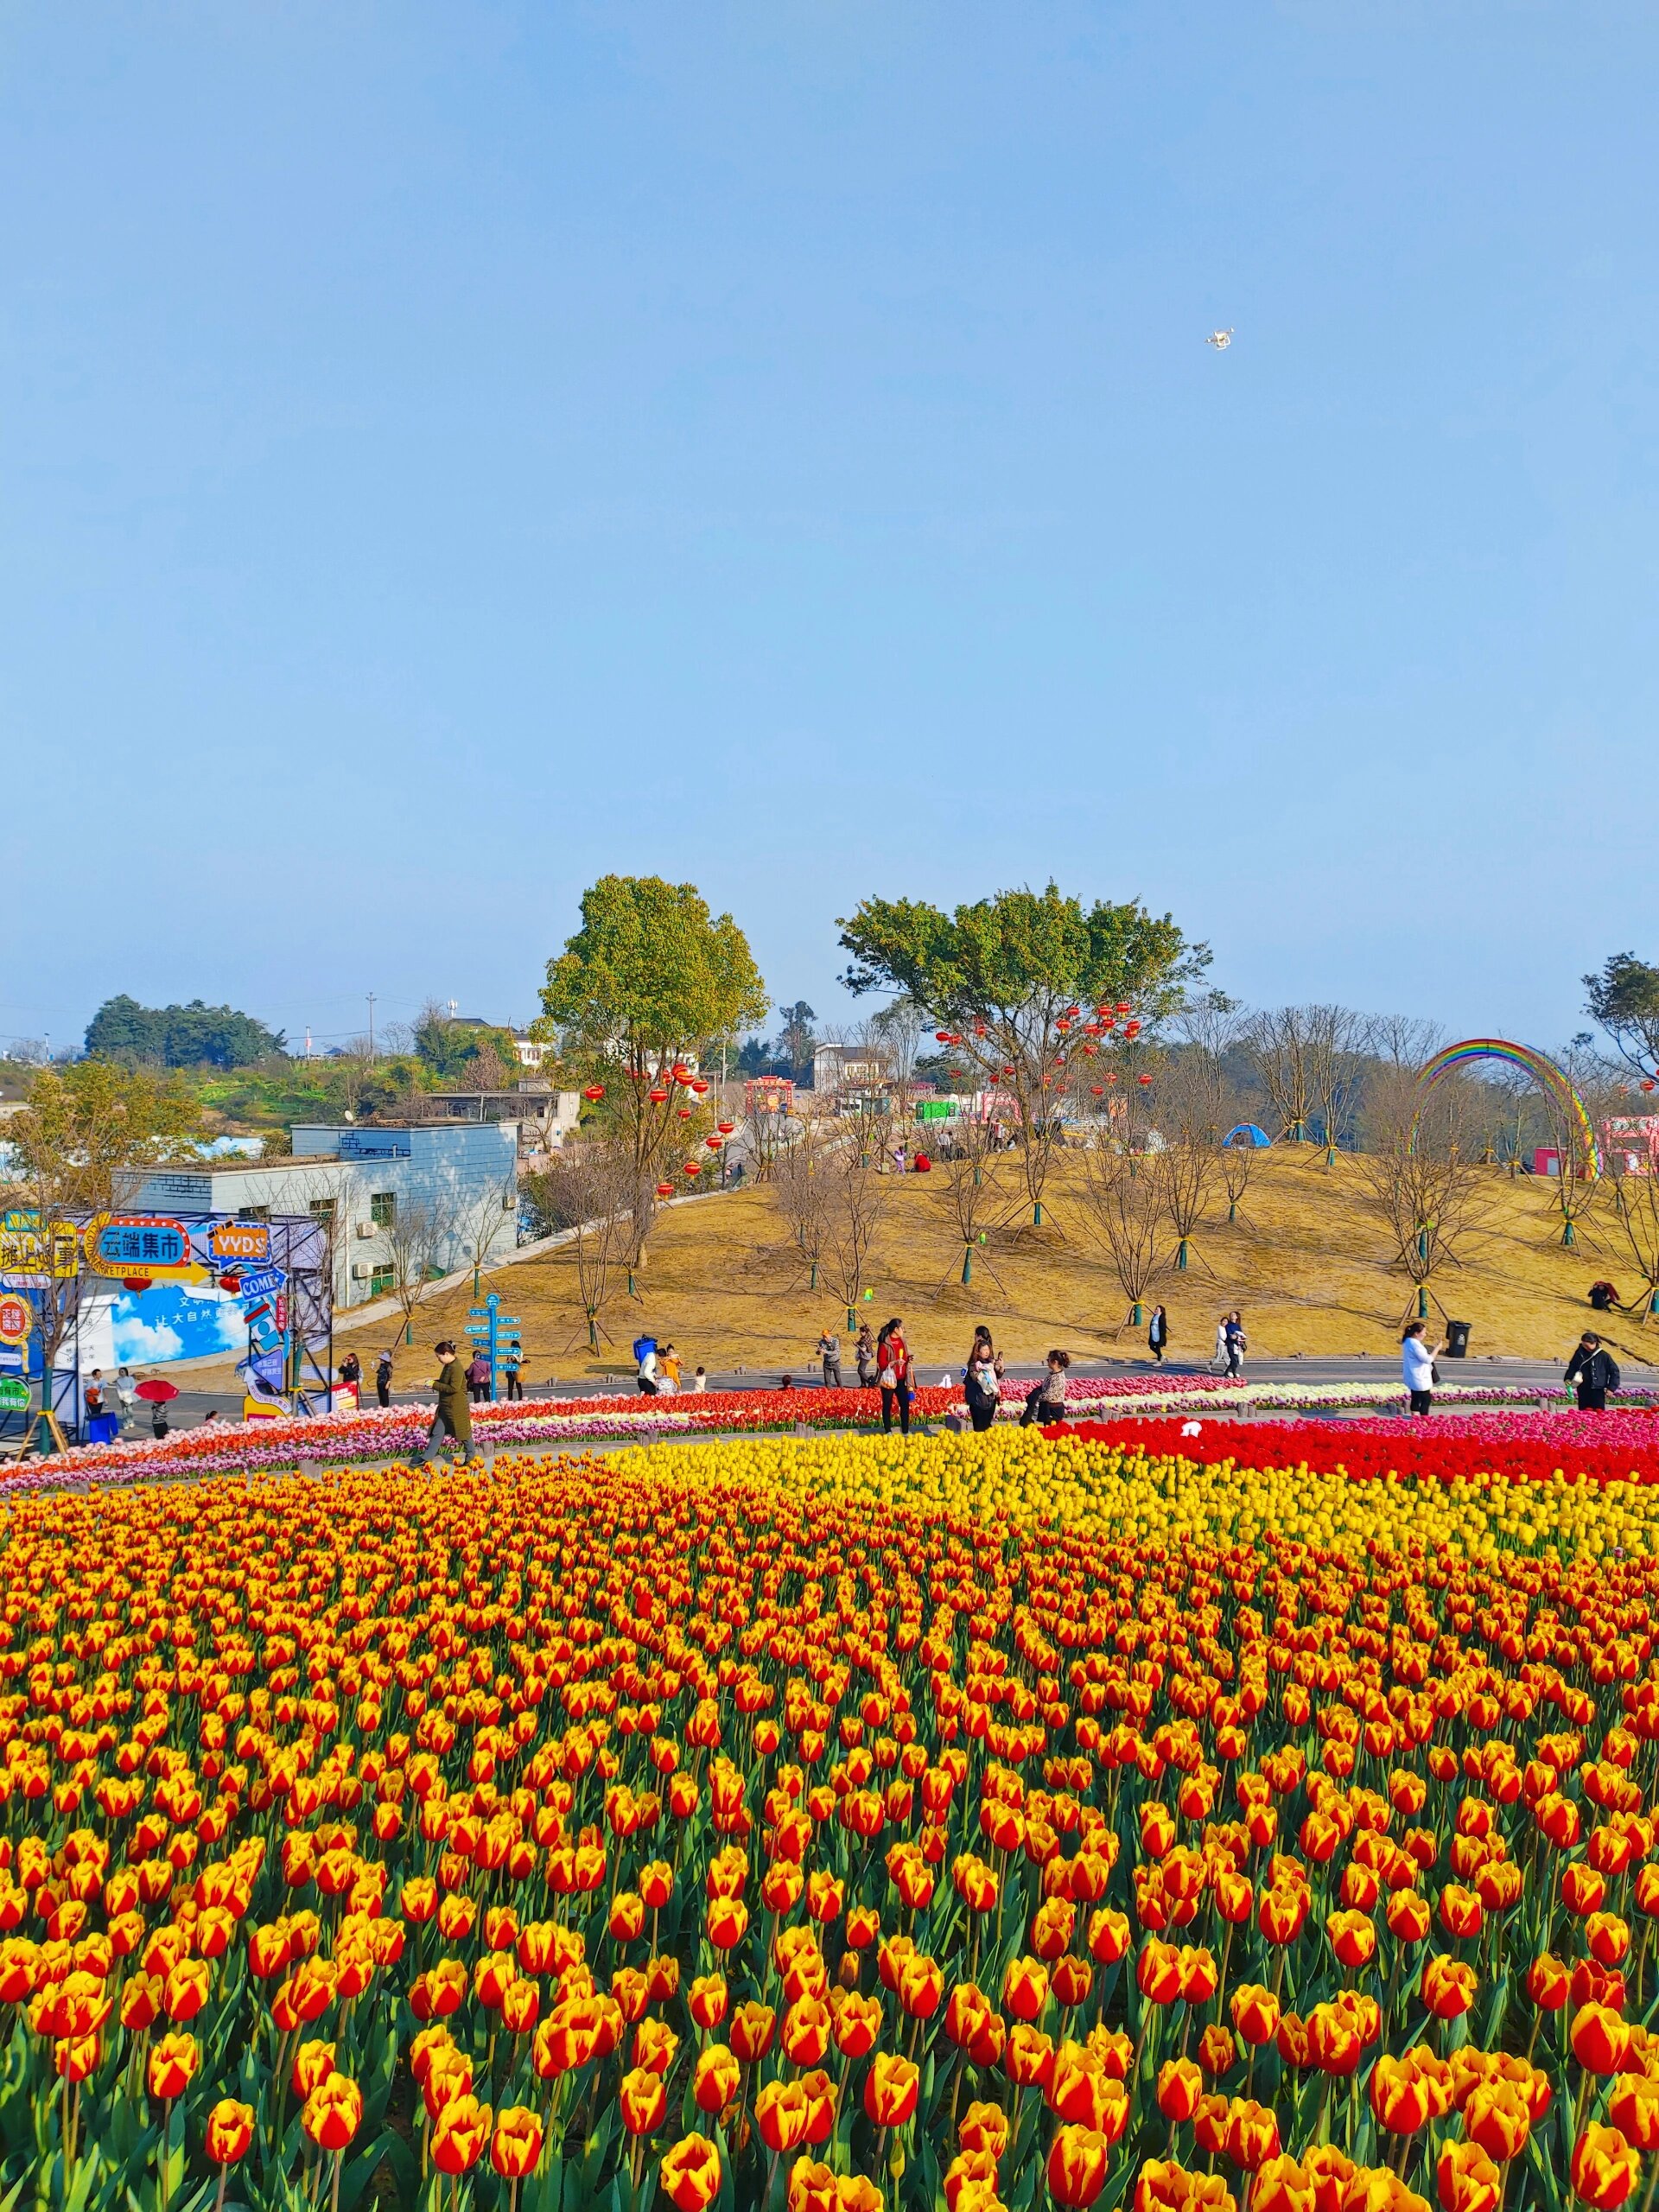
(1248, 1133)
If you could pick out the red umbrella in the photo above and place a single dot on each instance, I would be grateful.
(156, 1391)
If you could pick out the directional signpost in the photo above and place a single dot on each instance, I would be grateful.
(491, 1330)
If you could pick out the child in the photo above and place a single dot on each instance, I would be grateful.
(1047, 1401)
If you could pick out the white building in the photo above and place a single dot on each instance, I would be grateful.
(452, 1187)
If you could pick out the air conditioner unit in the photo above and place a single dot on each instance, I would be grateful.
(361, 1271)
(365, 1227)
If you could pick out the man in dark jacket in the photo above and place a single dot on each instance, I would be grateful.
(1595, 1371)
(454, 1416)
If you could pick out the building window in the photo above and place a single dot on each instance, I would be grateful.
(509, 1202)
(323, 1210)
(381, 1281)
(256, 1213)
(383, 1209)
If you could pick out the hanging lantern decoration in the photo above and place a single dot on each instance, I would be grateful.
(692, 1167)
(1008, 1071)
(725, 1127)
(664, 1189)
(1143, 1080)
(1122, 1006)
(1089, 1051)
(1063, 1025)
(1647, 1082)
(713, 1143)
(682, 1074)
(1097, 1089)
(684, 1113)
(1131, 1029)
(593, 1093)
(979, 1029)
(1111, 1075)
(658, 1097)
(942, 1036)
(699, 1084)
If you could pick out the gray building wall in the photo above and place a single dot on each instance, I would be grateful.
(466, 1175)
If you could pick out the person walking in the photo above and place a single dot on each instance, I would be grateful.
(893, 1376)
(454, 1416)
(1047, 1401)
(477, 1377)
(1237, 1344)
(511, 1366)
(830, 1353)
(126, 1395)
(1595, 1370)
(1157, 1333)
(1218, 1357)
(980, 1378)
(383, 1379)
(864, 1356)
(1417, 1366)
(668, 1372)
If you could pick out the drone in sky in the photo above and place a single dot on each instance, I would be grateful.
(1221, 340)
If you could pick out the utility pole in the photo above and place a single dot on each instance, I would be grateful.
(371, 998)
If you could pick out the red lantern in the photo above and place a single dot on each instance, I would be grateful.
(593, 1093)
(658, 1097)
(684, 1113)
(979, 1029)
(1097, 1089)
(664, 1189)
(725, 1127)
(1122, 1008)
(1143, 1080)
(1647, 1082)
(1111, 1075)
(699, 1085)
(943, 1036)
(1007, 1071)
(1131, 1029)
(692, 1167)
(713, 1143)
(681, 1073)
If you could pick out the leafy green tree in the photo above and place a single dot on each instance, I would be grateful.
(651, 981)
(1011, 976)
(196, 1035)
(450, 1050)
(1624, 999)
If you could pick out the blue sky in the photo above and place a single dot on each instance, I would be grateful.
(448, 453)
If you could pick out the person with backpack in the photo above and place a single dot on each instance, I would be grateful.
(1595, 1370)
(893, 1376)
(980, 1378)
(645, 1353)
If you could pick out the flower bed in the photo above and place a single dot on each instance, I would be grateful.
(837, 1826)
(399, 1432)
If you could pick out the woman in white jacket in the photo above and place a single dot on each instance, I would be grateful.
(1417, 1366)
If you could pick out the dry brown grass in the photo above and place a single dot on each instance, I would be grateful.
(1308, 1267)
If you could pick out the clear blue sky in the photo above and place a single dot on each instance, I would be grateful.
(447, 453)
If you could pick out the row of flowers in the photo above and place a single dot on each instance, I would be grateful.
(395, 1432)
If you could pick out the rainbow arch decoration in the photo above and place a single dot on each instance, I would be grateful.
(1543, 1072)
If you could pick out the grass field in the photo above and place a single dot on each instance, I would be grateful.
(1307, 1265)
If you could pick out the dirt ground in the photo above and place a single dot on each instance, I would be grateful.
(1307, 1264)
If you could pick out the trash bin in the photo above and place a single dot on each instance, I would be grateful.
(1456, 1339)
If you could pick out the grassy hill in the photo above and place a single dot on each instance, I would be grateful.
(1307, 1265)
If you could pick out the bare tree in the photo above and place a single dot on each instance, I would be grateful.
(585, 1192)
(1235, 1161)
(478, 1222)
(1404, 1040)
(1336, 1045)
(1276, 1043)
(1633, 1207)
(419, 1229)
(978, 1203)
(1418, 1177)
(802, 1174)
(1123, 1211)
(855, 1197)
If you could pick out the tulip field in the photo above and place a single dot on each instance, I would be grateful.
(1194, 1816)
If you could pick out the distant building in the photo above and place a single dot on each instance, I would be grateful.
(849, 1067)
(356, 1179)
(768, 1094)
